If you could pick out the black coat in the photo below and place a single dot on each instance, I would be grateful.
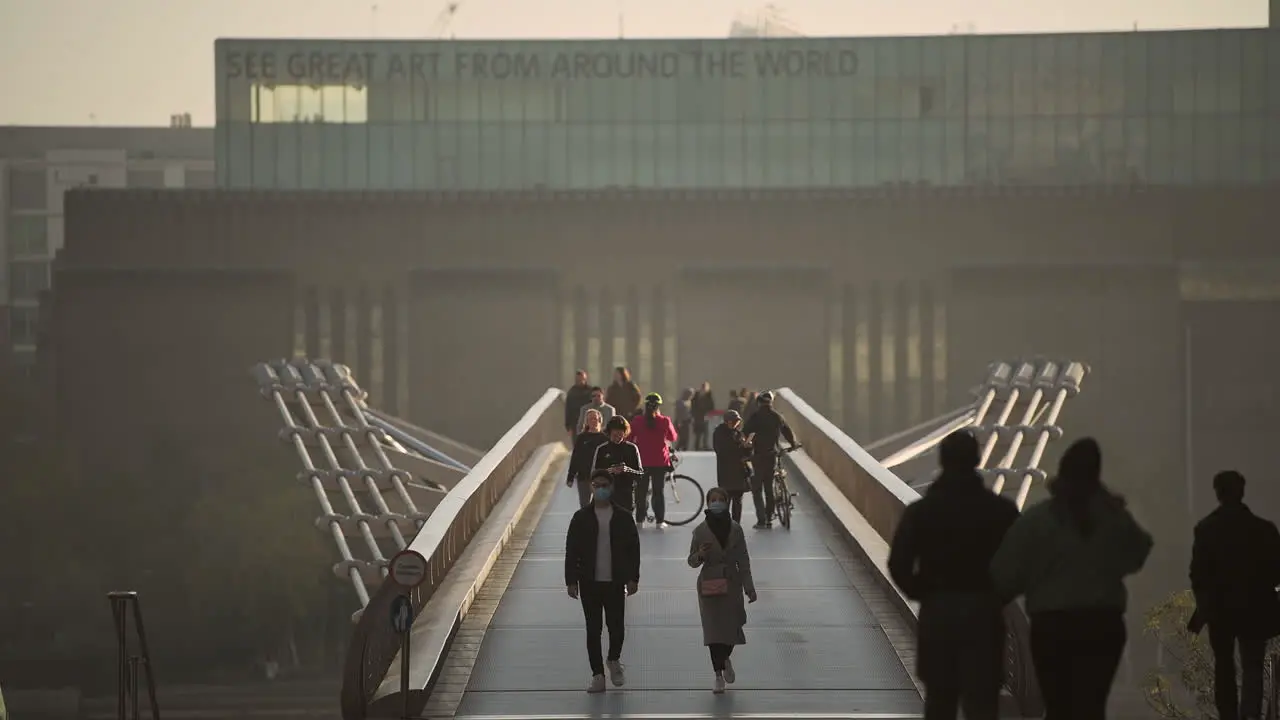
(574, 399)
(580, 546)
(731, 459)
(584, 451)
(1235, 567)
(768, 426)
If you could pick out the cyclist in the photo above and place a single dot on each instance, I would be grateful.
(764, 429)
(732, 453)
(652, 432)
(619, 458)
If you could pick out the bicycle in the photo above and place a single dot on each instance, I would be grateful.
(782, 495)
(681, 493)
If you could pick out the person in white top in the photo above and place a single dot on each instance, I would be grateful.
(602, 567)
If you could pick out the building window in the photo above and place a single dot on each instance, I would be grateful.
(310, 104)
(27, 279)
(28, 189)
(28, 236)
(145, 179)
(23, 323)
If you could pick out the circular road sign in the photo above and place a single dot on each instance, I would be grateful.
(408, 568)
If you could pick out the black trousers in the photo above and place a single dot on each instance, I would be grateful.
(763, 466)
(961, 656)
(653, 481)
(1076, 653)
(719, 653)
(735, 504)
(1223, 637)
(604, 604)
(623, 484)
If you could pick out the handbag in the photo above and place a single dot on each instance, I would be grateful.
(712, 586)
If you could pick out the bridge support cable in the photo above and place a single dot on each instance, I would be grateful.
(996, 381)
(395, 434)
(301, 386)
(915, 430)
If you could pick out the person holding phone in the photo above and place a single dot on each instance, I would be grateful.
(718, 549)
(620, 459)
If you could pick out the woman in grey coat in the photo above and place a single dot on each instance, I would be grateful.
(719, 548)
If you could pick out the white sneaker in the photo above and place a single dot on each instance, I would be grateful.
(617, 673)
(662, 525)
(729, 675)
(718, 688)
(597, 684)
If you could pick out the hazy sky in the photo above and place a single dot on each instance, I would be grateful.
(135, 62)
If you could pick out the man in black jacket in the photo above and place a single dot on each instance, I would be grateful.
(732, 451)
(764, 429)
(602, 567)
(1235, 568)
(620, 459)
(940, 557)
(577, 396)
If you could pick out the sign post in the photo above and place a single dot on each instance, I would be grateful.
(408, 569)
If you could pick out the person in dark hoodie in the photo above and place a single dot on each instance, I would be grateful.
(602, 567)
(575, 398)
(620, 459)
(1235, 568)
(733, 473)
(1069, 555)
(584, 451)
(623, 394)
(940, 557)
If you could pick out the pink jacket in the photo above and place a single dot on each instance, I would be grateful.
(652, 441)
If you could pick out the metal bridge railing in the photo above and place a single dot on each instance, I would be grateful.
(330, 423)
(133, 667)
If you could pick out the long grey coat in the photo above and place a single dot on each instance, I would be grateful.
(723, 616)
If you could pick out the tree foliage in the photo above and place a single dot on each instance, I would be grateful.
(1186, 691)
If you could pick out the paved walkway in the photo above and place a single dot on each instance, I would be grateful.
(814, 648)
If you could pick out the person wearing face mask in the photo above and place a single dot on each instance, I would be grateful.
(620, 459)
(584, 450)
(601, 568)
(719, 549)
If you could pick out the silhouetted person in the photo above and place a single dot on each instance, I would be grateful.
(701, 406)
(1069, 555)
(940, 557)
(623, 394)
(575, 398)
(1235, 567)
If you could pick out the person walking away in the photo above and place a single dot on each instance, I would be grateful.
(575, 398)
(940, 557)
(719, 549)
(752, 403)
(584, 450)
(1069, 556)
(623, 394)
(620, 459)
(598, 404)
(684, 418)
(652, 432)
(1235, 568)
(602, 567)
(763, 430)
(702, 405)
(732, 453)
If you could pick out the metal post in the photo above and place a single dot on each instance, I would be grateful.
(134, 675)
(121, 617)
(404, 670)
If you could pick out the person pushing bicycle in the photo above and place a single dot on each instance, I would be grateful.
(764, 429)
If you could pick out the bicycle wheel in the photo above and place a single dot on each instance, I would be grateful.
(684, 499)
(782, 502)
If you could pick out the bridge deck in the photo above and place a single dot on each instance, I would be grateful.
(814, 647)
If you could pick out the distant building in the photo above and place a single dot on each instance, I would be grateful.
(37, 164)
(767, 22)
(1193, 107)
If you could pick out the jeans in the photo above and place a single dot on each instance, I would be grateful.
(763, 467)
(654, 480)
(1076, 654)
(604, 604)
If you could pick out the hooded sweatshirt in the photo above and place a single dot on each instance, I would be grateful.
(1045, 557)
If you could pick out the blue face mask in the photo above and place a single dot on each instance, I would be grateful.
(603, 493)
(717, 506)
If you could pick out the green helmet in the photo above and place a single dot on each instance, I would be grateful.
(653, 399)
